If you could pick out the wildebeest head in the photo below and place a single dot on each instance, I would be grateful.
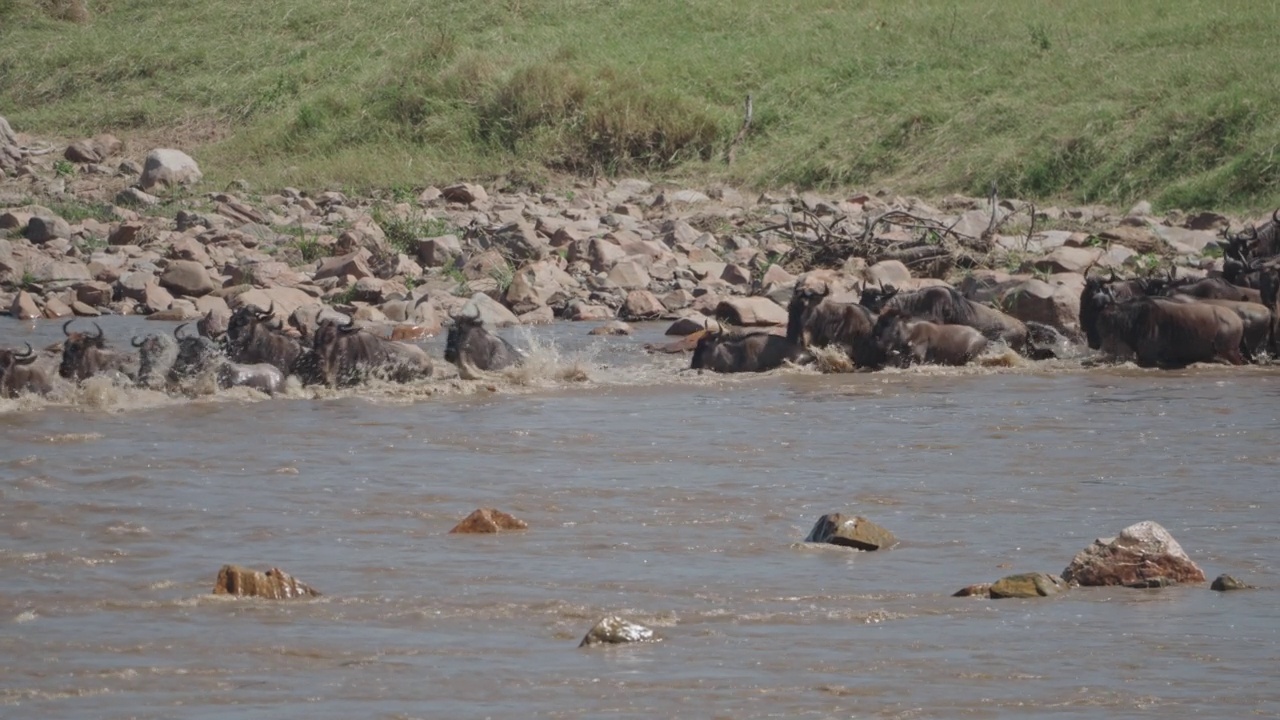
(10, 358)
(1097, 296)
(874, 298)
(463, 325)
(245, 318)
(75, 349)
(889, 339)
(196, 354)
(155, 356)
(712, 335)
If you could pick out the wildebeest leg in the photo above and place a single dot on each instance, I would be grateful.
(1245, 354)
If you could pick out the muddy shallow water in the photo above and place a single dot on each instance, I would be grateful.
(674, 499)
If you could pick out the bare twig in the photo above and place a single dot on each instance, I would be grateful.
(742, 132)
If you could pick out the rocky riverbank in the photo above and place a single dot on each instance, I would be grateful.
(101, 227)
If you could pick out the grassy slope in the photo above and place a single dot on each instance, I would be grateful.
(1092, 100)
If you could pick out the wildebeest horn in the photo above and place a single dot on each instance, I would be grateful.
(25, 359)
(99, 329)
(66, 325)
(177, 332)
(1275, 216)
(134, 342)
(349, 326)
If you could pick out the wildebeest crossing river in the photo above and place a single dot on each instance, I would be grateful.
(673, 498)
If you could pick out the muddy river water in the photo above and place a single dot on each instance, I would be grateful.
(676, 500)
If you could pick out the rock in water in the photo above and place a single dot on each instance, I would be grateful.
(1140, 555)
(856, 532)
(273, 584)
(488, 520)
(613, 630)
(1026, 585)
(1223, 583)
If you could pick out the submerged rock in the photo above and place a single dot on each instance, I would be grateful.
(1223, 583)
(982, 590)
(1027, 585)
(613, 630)
(489, 520)
(1141, 554)
(274, 584)
(856, 532)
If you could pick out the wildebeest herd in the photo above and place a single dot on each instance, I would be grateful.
(255, 350)
(1168, 322)
(1157, 321)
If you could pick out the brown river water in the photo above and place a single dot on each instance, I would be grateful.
(675, 499)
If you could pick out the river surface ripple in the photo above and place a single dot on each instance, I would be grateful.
(673, 499)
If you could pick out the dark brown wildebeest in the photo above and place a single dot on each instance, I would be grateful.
(945, 306)
(1160, 332)
(1098, 293)
(347, 355)
(723, 352)
(902, 341)
(19, 374)
(475, 350)
(1255, 317)
(85, 355)
(253, 336)
(1259, 242)
(815, 320)
(199, 355)
(1212, 287)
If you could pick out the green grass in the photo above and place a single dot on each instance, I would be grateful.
(1087, 101)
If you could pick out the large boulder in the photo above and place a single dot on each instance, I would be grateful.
(855, 532)
(169, 168)
(491, 313)
(1056, 304)
(488, 520)
(641, 305)
(613, 630)
(539, 284)
(24, 307)
(1141, 555)
(273, 584)
(354, 264)
(187, 278)
(629, 275)
(1068, 259)
(43, 228)
(751, 311)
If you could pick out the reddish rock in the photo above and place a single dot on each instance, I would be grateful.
(642, 305)
(465, 193)
(855, 532)
(629, 275)
(24, 307)
(55, 308)
(274, 584)
(1056, 304)
(537, 316)
(125, 234)
(353, 264)
(489, 520)
(1141, 554)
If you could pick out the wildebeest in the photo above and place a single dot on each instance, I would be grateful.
(815, 320)
(758, 351)
(85, 355)
(903, 341)
(346, 355)
(260, 376)
(1259, 242)
(19, 373)
(198, 356)
(254, 337)
(1098, 293)
(1212, 287)
(1256, 318)
(156, 354)
(473, 349)
(945, 306)
(1166, 333)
